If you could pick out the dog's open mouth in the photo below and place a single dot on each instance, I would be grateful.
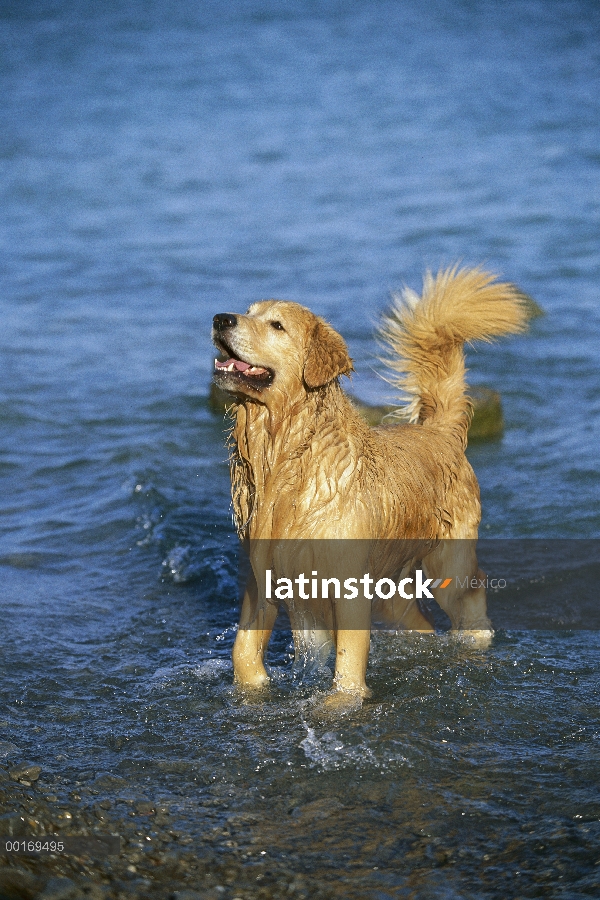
(255, 376)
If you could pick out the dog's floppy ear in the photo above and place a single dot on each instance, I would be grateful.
(327, 356)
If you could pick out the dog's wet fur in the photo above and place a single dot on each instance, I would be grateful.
(306, 468)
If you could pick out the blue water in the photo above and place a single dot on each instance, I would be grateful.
(161, 162)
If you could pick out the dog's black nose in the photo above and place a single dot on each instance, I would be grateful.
(223, 321)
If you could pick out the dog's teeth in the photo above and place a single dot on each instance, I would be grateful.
(231, 367)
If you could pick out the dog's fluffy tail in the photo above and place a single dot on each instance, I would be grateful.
(424, 337)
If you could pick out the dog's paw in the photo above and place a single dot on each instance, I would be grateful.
(476, 638)
(338, 703)
(345, 701)
(252, 686)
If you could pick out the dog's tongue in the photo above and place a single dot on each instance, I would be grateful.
(231, 364)
(236, 363)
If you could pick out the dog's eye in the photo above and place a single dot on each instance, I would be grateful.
(277, 326)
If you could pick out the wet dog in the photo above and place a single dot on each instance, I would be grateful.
(308, 474)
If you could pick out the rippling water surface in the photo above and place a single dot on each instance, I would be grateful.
(160, 163)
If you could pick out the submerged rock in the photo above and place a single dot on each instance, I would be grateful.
(107, 781)
(487, 423)
(25, 772)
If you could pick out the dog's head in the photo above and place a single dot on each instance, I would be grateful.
(277, 348)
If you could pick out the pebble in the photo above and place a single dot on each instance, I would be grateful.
(144, 808)
(25, 772)
(107, 781)
(64, 815)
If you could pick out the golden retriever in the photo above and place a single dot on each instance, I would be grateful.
(314, 487)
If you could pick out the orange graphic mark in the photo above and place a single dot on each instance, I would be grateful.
(446, 583)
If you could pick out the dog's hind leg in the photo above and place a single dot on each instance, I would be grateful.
(460, 591)
(254, 631)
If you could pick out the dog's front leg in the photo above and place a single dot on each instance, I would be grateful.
(353, 638)
(256, 624)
